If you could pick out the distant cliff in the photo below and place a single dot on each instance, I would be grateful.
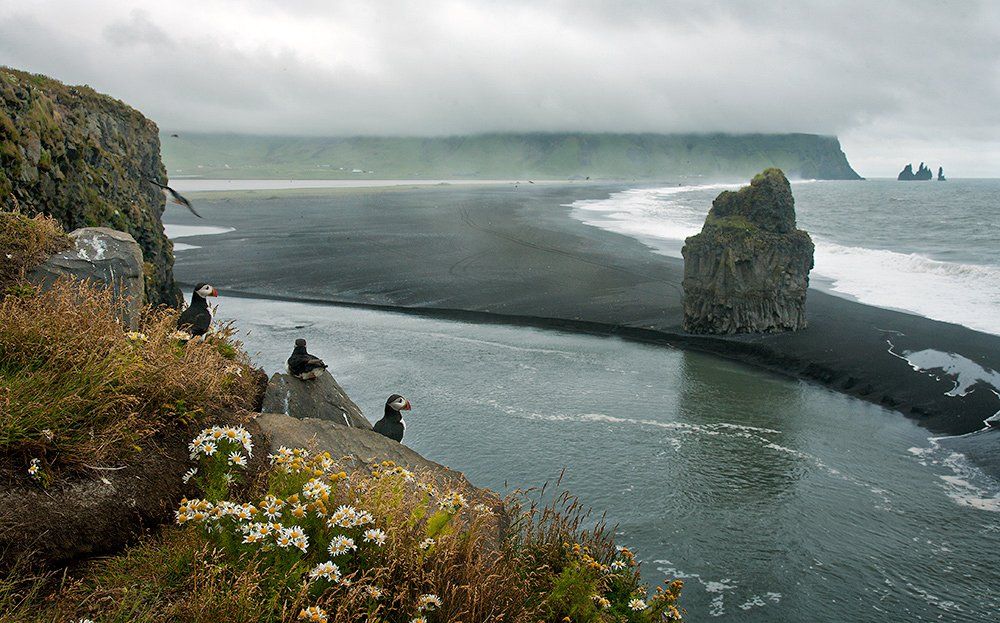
(485, 156)
(82, 158)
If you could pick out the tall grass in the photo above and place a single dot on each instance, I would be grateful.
(76, 386)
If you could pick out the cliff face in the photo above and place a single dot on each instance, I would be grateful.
(492, 156)
(748, 269)
(83, 158)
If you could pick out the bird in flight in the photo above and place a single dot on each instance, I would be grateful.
(176, 196)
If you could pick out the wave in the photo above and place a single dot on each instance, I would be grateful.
(967, 294)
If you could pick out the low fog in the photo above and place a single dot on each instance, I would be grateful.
(897, 81)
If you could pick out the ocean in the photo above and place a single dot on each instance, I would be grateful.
(775, 499)
(929, 248)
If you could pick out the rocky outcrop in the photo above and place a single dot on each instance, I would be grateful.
(748, 269)
(85, 158)
(322, 399)
(104, 507)
(921, 175)
(357, 448)
(941, 177)
(102, 256)
(365, 446)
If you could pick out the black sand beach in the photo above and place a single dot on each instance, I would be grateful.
(496, 254)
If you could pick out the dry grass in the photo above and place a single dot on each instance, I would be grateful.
(76, 386)
(24, 243)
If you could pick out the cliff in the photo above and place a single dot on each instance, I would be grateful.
(514, 156)
(82, 158)
(748, 269)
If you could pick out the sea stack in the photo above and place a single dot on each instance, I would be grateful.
(748, 269)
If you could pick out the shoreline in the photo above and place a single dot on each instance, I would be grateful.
(491, 255)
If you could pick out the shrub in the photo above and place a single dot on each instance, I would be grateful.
(24, 243)
(381, 544)
(76, 385)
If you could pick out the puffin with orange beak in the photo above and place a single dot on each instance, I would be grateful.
(197, 318)
(392, 425)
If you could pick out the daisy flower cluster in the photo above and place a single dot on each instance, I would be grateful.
(313, 513)
(232, 440)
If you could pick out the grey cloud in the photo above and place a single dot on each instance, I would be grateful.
(138, 29)
(875, 72)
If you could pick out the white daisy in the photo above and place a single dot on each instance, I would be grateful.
(327, 570)
(341, 545)
(637, 605)
(376, 536)
(426, 544)
(428, 602)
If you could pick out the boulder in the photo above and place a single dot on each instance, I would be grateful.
(748, 269)
(321, 398)
(361, 447)
(103, 256)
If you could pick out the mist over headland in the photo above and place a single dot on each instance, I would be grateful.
(441, 68)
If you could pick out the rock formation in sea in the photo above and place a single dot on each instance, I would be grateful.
(748, 269)
(84, 158)
(941, 177)
(921, 175)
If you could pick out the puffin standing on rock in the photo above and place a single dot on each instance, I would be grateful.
(197, 318)
(302, 365)
(392, 425)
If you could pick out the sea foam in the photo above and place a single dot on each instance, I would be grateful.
(967, 294)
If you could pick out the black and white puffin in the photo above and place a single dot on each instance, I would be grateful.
(197, 318)
(303, 365)
(392, 425)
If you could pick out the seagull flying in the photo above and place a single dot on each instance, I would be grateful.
(176, 196)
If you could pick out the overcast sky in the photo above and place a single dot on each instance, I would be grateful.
(896, 81)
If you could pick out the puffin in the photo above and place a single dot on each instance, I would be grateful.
(302, 365)
(392, 425)
(197, 318)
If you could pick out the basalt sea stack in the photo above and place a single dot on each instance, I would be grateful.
(748, 269)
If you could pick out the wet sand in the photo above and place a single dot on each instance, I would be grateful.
(496, 254)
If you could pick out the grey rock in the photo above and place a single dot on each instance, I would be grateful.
(104, 256)
(322, 398)
(748, 269)
(364, 447)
